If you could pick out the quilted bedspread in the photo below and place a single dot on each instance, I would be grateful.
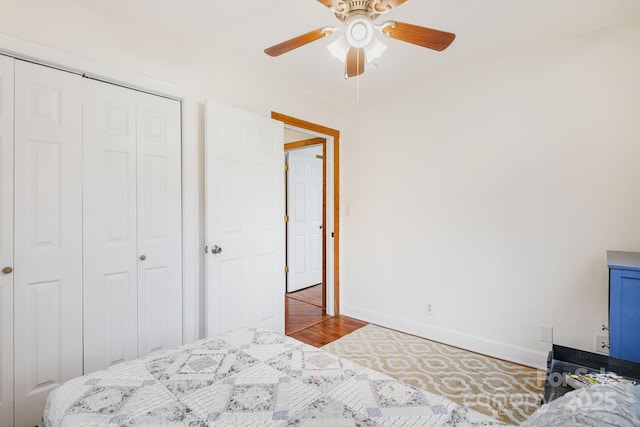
(248, 377)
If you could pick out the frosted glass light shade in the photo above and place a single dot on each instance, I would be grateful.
(374, 49)
(339, 48)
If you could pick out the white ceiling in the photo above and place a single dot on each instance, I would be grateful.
(238, 31)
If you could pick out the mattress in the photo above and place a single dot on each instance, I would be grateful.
(248, 377)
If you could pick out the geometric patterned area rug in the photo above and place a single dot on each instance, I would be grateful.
(506, 391)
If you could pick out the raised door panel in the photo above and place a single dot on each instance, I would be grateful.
(48, 235)
(234, 270)
(109, 218)
(6, 240)
(159, 223)
(244, 202)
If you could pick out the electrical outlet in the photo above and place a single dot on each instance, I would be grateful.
(428, 308)
(601, 343)
(546, 334)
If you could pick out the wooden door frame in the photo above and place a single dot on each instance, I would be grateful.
(296, 145)
(335, 134)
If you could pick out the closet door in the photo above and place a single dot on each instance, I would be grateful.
(6, 241)
(159, 223)
(132, 224)
(48, 235)
(109, 212)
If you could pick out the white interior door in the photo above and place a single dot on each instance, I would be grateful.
(304, 246)
(48, 235)
(159, 223)
(132, 222)
(6, 240)
(244, 216)
(109, 217)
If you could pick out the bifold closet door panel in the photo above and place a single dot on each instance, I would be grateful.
(48, 235)
(132, 224)
(159, 223)
(109, 215)
(6, 240)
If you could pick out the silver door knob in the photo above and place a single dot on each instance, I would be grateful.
(215, 249)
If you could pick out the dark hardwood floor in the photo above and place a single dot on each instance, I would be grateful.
(328, 330)
(306, 320)
(300, 315)
(311, 295)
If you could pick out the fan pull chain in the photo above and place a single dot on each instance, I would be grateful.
(358, 75)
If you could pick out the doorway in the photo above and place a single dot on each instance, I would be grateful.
(307, 134)
(305, 195)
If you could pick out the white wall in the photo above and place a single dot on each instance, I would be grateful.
(494, 194)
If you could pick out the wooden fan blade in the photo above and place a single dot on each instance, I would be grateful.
(421, 36)
(296, 42)
(355, 62)
(385, 5)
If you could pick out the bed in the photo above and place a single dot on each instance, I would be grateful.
(248, 377)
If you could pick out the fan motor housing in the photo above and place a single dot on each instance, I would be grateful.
(361, 7)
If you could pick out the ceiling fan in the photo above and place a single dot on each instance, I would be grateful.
(358, 44)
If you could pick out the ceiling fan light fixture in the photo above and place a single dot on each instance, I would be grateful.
(339, 48)
(356, 45)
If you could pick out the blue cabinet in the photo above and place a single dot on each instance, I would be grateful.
(624, 305)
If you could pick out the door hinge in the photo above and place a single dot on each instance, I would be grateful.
(286, 268)
(286, 167)
(286, 218)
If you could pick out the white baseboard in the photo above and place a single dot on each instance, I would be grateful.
(511, 353)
